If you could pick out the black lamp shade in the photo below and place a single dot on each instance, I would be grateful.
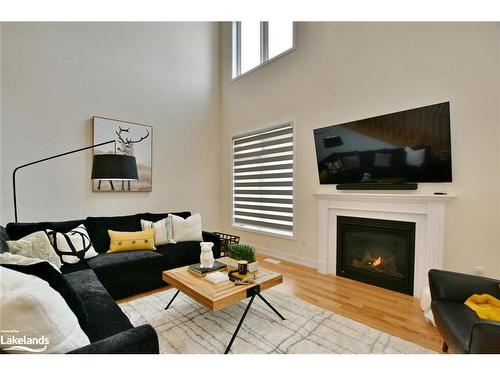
(114, 167)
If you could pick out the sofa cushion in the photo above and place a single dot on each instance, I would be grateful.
(4, 237)
(189, 229)
(118, 266)
(35, 245)
(158, 216)
(44, 315)
(68, 268)
(180, 254)
(163, 230)
(73, 246)
(105, 317)
(131, 241)
(97, 228)
(19, 230)
(454, 321)
(128, 273)
(56, 280)
(215, 239)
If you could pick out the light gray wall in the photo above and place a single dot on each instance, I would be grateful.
(346, 71)
(56, 76)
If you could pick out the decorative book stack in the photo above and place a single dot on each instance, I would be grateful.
(197, 270)
(236, 275)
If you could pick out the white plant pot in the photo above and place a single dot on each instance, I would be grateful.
(233, 263)
(252, 267)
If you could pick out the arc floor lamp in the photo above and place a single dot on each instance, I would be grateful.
(104, 167)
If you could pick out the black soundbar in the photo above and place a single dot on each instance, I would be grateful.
(377, 186)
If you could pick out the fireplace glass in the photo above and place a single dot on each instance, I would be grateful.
(378, 252)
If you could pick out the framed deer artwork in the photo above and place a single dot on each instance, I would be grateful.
(131, 139)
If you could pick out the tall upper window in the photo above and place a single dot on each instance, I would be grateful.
(255, 43)
(263, 180)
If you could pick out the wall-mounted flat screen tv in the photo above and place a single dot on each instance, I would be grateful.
(403, 147)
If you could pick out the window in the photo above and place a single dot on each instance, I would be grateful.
(255, 43)
(263, 180)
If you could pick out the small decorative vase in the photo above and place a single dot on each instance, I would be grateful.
(206, 256)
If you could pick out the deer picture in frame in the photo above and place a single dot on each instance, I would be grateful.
(132, 139)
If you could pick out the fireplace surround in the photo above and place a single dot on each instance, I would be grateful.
(426, 211)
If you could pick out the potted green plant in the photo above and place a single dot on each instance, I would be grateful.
(237, 252)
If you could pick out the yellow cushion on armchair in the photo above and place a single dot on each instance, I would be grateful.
(485, 306)
(131, 241)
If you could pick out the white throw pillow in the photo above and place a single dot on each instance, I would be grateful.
(186, 229)
(163, 230)
(73, 246)
(9, 258)
(35, 245)
(415, 158)
(35, 318)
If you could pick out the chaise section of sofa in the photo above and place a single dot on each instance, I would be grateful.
(128, 273)
(108, 329)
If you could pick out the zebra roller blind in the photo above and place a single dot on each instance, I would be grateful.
(263, 180)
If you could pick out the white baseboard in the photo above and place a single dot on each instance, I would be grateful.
(285, 256)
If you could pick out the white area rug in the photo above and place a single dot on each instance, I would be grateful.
(187, 327)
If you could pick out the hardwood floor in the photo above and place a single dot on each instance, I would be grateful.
(391, 312)
(395, 313)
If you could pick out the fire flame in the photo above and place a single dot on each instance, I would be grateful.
(377, 262)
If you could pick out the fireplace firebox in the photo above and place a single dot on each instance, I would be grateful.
(377, 252)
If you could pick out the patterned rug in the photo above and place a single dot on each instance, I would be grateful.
(187, 327)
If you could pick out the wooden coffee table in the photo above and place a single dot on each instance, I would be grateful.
(215, 297)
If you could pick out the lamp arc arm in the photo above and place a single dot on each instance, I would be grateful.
(46, 159)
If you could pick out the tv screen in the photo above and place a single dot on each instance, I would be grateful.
(407, 146)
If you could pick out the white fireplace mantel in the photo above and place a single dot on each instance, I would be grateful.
(427, 211)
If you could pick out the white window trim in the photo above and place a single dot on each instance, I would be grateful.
(236, 52)
(255, 130)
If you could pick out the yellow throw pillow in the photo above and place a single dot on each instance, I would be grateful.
(130, 241)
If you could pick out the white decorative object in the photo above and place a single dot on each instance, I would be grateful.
(186, 229)
(427, 211)
(206, 257)
(217, 277)
(36, 317)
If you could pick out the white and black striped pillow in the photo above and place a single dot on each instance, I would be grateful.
(73, 246)
(163, 230)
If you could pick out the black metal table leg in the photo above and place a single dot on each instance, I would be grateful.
(271, 307)
(172, 300)
(239, 324)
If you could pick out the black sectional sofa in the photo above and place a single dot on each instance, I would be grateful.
(100, 280)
